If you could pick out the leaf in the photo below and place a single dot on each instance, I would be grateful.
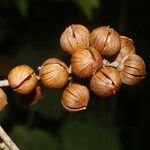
(87, 6)
(35, 139)
(20, 135)
(79, 135)
(22, 6)
(41, 140)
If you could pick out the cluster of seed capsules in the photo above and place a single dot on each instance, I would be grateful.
(103, 57)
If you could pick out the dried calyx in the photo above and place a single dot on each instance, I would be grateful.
(75, 36)
(85, 62)
(105, 82)
(54, 73)
(3, 100)
(75, 97)
(106, 40)
(22, 79)
(132, 70)
(127, 48)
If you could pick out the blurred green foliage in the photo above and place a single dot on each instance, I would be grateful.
(87, 6)
(88, 136)
(34, 139)
(22, 6)
(14, 13)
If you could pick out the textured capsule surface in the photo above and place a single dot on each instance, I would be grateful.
(54, 73)
(75, 36)
(105, 82)
(22, 79)
(127, 48)
(106, 40)
(85, 62)
(75, 97)
(3, 100)
(132, 70)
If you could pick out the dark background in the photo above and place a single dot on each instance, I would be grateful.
(29, 34)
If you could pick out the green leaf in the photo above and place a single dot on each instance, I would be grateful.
(79, 135)
(22, 6)
(35, 139)
(87, 6)
(20, 135)
(41, 140)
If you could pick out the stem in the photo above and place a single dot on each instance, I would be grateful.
(70, 69)
(106, 63)
(6, 139)
(38, 77)
(4, 83)
(3, 146)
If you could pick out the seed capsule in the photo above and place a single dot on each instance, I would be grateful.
(54, 73)
(75, 97)
(127, 48)
(3, 100)
(75, 36)
(105, 82)
(106, 40)
(22, 79)
(132, 70)
(85, 62)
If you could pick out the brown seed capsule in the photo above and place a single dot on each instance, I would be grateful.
(54, 73)
(22, 79)
(105, 82)
(75, 36)
(85, 62)
(75, 97)
(3, 100)
(127, 48)
(132, 70)
(106, 40)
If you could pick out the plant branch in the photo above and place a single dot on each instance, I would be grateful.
(7, 140)
(4, 83)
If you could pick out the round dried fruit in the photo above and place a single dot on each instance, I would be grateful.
(54, 73)
(105, 82)
(22, 79)
(75, 97)
(75, 36)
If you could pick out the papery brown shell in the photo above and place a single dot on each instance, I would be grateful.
(106, 40)
(85, 62)
(127, 48)
(75, 36)
(132, 70)
(22, 79)
(3, 100)
(75, 97)
(105, 82)
(54, 73)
